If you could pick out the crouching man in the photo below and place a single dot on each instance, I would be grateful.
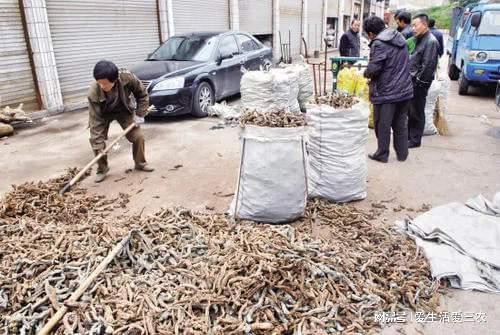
(390, 88)
(110, 98)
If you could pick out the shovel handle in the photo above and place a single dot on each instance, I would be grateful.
(96, 158)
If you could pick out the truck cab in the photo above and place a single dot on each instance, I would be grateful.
(474, 47)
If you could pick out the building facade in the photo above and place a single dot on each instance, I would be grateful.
(49, 47)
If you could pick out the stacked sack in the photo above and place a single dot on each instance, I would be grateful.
(277, 89)
(305, 82)
(337, 150)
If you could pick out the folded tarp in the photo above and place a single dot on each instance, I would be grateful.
(461, 242)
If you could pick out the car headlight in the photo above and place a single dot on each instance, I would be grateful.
(169, 84)
(481, 57)
(478, 56)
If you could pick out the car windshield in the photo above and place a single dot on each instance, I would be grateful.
(490, 23)
(194, 48)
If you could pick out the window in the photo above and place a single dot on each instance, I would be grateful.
(186, 49)
(246, 43)
(228, 46)
(490, 23)
(464, 19)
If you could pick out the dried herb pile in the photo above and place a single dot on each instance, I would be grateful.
(189, 273)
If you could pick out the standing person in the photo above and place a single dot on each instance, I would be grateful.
(423, 64)
(403, 20)
(109, 99)
(350, 43)
(390, 88)
(438, 35)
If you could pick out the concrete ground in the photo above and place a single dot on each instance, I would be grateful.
(445, 169)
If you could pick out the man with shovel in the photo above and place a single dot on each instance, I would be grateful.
(110, 98)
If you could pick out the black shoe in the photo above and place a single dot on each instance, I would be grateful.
(402, 159)
(378, 159)
(412, 145)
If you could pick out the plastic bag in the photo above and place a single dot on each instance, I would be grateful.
(347, 79)
(371, 118)
(362, 89)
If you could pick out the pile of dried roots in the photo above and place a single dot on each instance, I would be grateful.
(188, 273)
(337, 100)
(277, 119)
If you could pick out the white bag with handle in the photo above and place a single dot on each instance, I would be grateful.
(337, 152)
(272, 179)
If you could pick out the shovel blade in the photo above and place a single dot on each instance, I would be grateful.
(65, 189)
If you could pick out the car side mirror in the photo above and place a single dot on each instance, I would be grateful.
(149, 55)
(224, 55)
(475, 21)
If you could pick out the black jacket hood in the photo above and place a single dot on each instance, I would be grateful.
(391, 36)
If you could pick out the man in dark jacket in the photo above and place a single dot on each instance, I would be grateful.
(390, 87)
(423, 64)
(403, 20)
(438, 35)
(109, 99)
(350, 43)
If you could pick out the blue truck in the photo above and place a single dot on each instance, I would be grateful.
(474, 45)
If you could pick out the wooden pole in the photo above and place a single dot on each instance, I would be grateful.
(85, 285)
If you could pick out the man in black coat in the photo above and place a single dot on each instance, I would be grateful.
(438, 35)
(390, 87)
(403, 20)
(423, 65)
(350, 43)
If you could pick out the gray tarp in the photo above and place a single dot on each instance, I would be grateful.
(462, 242)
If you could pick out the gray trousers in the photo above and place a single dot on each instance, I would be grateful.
(395, 116)
(99, 127)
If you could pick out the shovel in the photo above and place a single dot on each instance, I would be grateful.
(96, 158)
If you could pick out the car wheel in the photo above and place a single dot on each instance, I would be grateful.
(453, 71)
(463, 84)
(267, 64)
(203, 97)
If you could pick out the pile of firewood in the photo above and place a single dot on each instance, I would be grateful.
(9, 116)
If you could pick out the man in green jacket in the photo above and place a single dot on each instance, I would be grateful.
(111, 98)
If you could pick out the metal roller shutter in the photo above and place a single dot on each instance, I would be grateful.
(347, 7)
(314, 24)
(16, 76)
(256, 17)
(84, 32)
(291, 20)
(195, 15)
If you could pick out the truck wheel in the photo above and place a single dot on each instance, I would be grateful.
(453, 71)
(203, 97)
(463, 84)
